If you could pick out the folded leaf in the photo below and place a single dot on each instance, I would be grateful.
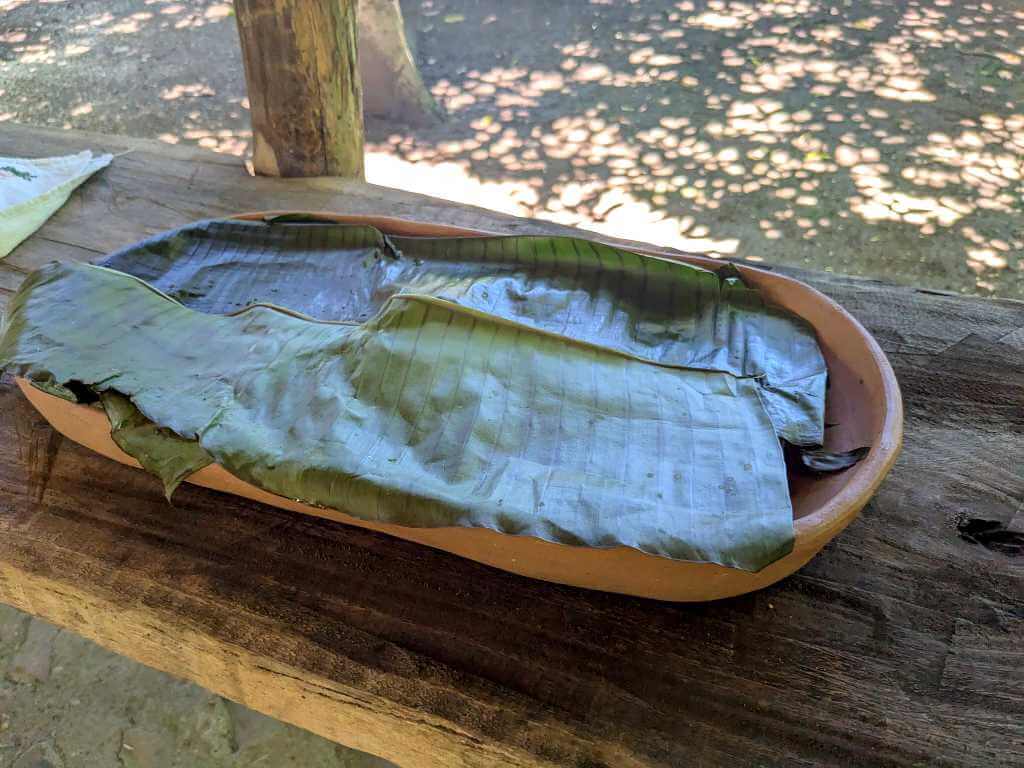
(435, 412)
(662, 311)
(160, 451)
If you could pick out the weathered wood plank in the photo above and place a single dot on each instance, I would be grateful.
(901, 644)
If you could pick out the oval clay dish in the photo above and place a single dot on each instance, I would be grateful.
(864, 404)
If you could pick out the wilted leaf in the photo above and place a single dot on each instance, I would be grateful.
(160, 451)
(551, 387)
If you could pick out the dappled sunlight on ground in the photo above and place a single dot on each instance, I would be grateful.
(615, 212)
(142, 67)
(869, 137)
(514, 197)
(843, 136)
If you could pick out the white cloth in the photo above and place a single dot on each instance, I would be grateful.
(31, 190)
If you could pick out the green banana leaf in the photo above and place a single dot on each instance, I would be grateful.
(160, 451)
(658, 310)
(536, 386)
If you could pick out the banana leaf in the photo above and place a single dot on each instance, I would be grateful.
(536, 386)
(661, 311)
(160, 451)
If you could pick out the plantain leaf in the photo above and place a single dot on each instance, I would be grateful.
(657, 310)
(536, 386)
(169, 457)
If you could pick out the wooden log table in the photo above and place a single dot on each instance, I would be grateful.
(901, 644)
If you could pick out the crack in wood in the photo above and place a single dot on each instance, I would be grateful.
(72, 245)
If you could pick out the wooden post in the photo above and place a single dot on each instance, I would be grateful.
(305, 94)
(392, 86)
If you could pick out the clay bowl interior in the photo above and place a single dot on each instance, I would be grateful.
(863, 402)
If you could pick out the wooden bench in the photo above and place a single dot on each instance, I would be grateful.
(901, 644)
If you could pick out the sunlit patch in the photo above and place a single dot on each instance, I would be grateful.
(36, 54)
(878, 202)
(716, 21)
(457, 183)
(217, 11)
(127, 26)
(983, 259)
(186, 89)
(867, 24)
(905, 89)
(224, 141)
(590, 72)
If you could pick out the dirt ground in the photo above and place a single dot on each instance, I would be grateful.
(877, 138)
(67, 703)
(883, 139)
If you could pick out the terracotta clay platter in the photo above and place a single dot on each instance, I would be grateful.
(864, 408)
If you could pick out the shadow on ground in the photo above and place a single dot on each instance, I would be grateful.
(872, 138)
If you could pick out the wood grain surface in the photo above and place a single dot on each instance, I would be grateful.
(304, 87)
(901, 644)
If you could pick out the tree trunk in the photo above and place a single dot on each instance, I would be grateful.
(392, 87)
(305, 95)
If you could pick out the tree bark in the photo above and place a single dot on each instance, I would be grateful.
(305, 94)
(392, 86)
